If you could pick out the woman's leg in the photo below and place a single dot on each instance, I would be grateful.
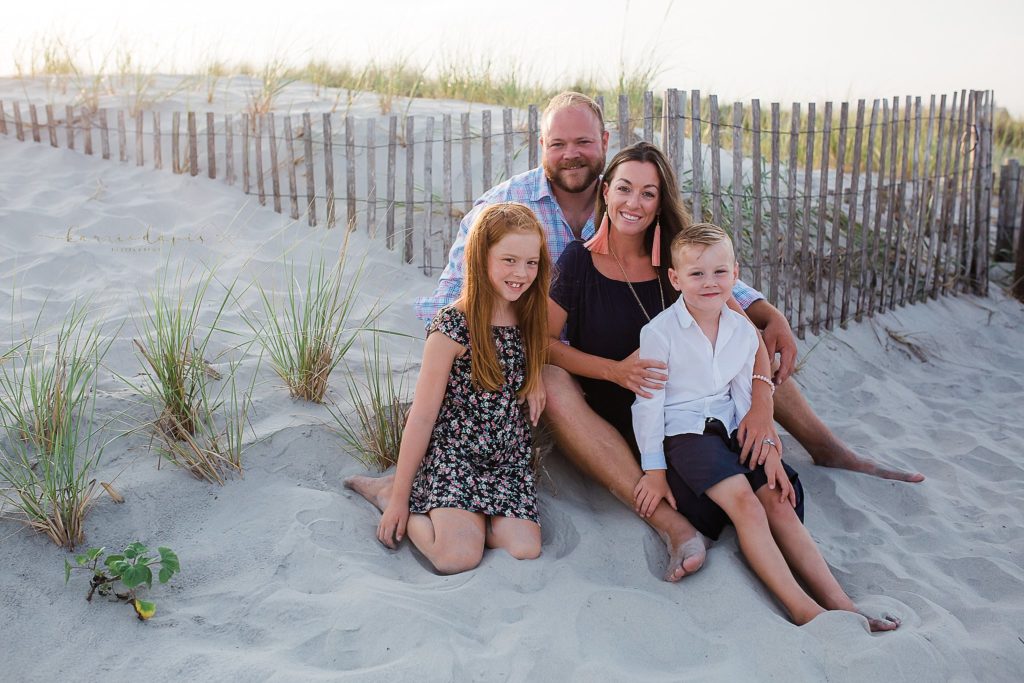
(735, 496)
(520, 538)
(600, 452)
(452, 539)
(804, 557)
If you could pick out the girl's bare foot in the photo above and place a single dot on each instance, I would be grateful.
(886, 623)
(377, 490)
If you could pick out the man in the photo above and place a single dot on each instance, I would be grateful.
(562, 193)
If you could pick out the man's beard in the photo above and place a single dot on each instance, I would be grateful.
(572, 186)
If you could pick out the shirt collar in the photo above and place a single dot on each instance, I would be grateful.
(542, 190)
(726, 322)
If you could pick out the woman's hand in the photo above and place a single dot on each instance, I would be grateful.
(649, 491)
(757, 435)
(391, 529)
(638, 374)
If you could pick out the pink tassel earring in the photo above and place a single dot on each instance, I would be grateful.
(598, 244)
(656, 245)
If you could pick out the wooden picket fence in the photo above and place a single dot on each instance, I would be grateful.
(837, 211)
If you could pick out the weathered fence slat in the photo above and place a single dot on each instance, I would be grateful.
(104, 133)
(866, 231)
(158, 155)
(86, 131)
(261, 192)
(140, 153)
(193, 147)
(915, 172)
(737, 176)
(307, 144)
(1009, 177)
(925, 237)
(879, 245)
(791, 272)
(69, 121)
(51, 126)
(964, 239)
(716, 163)
(854, 237)
(410, 154)
(509, 139)
(19, 128)
(3, 118)
(485, 135)
(900, 204)
(837, 207)
(534, 135)
(623, 123)
(755, 156)
(446, 181)
(350, 172)
(176, 145)
(229, 150)
(371, 177)
(696, 198)
(33, 116)
(819, 260)
(467, 167)
(890, 202)
(211, 146)
(985, 205)
(943, 229)
(668, 131)
(390, 189)
(289, 150)
(773, 202)
(245, 150)
(805, 268)
(649, 116)
(428, 196)
(331, 209)
(275, 167)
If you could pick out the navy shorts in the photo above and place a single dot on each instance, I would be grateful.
(696, 462)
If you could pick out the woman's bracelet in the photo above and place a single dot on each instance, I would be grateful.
(768, 380)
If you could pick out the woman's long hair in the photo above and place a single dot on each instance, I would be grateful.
(478, 297)
(672, 213)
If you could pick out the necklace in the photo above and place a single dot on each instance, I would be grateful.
(661, 292)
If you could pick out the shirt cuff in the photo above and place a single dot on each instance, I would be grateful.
(745, 294)
(653, 460)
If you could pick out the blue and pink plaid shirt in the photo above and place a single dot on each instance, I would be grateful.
(532, 189)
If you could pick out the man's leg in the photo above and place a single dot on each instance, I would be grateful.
(798, 418)
(600, 452)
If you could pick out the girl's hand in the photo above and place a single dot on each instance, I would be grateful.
(649, 491)
(536, 400)
(639, 374)
(777, 478)
(391, 529)
(756, 434)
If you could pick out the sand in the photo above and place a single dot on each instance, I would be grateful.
(282, 578)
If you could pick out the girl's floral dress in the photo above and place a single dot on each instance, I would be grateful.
(479, 453)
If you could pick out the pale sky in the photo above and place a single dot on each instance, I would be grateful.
(778, 51)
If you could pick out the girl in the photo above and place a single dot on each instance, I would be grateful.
(463, 478)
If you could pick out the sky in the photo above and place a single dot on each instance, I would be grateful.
(786, 50)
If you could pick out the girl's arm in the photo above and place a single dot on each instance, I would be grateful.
(439, 352)
(632, 373)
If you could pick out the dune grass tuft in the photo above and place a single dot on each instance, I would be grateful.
(47, 408)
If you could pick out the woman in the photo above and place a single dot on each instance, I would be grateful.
(606, 290)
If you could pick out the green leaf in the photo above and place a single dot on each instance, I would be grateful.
(80, 560)
(144, 609)
(132, 575)
(134, 550)
(93, 553)
(119, 568)
(169, 561)
(67, 571)
(147, 574)
(111, 559)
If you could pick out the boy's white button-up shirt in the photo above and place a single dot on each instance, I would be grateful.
(703, 382)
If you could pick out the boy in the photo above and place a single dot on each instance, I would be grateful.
(684, 431)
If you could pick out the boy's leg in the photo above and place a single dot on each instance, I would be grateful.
(452, 539)
(520, 538)
(803, 555)
(600, 452)
(735, 496)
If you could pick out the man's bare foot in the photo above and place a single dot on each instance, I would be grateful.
(836, 454)
(377, 490)
(685, 555)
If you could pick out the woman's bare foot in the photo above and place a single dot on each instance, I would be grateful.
(686, 554)
(377, 490)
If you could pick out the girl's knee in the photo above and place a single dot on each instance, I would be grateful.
(457, 560)
(526, 549)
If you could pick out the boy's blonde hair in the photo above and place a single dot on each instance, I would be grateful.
(699, 235)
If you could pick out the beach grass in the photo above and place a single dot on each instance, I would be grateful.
(52, 444)
(307, 331)
(372, 431)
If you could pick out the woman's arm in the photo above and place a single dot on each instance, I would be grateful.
(439, 352)
(633, 372)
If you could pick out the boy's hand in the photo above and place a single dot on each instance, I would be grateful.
(649, 491)
(391, 529)
(777, 478)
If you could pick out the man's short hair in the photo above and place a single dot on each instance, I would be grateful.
(699, 235)
(567, 100)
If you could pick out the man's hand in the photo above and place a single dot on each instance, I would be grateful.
(778, 337)
(649, 491)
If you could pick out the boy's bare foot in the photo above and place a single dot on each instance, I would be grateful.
(377, 490)
(686, 554)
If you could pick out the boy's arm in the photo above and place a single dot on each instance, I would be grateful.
(649, 428)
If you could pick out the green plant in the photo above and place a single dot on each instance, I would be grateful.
(373, 432)
(47, 407)
(132, 568)
(308, 333)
